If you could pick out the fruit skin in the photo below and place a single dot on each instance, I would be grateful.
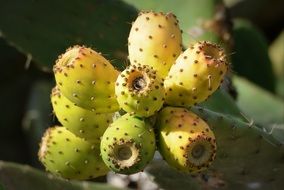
(82, 122)
(181, 135)
(155, 40)
(128, 145)
(140, 91)
(68, 156)
(86, 78)
(197, 73)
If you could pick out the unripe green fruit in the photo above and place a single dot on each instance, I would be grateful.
(86, 78)
(155, 40)
(197, 73)
(139, 90)
(186, 142)
(82, 122)
(128, 145)
(68, 156)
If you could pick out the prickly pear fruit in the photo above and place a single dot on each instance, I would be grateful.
(186, 142)
(82, 122)
(140, 90)
(196, 74)
(64, 154)
(86, 78)
(128, 144)
(155, 40)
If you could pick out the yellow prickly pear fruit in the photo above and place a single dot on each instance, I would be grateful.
(155, 40)
(140, 90)
(86, 78)
(185, 141)
(68, 156)
(82, 122)
(197, 73)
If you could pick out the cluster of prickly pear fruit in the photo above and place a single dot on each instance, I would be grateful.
(84, 102)
(89, 90)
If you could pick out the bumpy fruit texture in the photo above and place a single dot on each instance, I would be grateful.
(155, 40)
(186, 142)
(82, 122)
(128, 145)
(86, 78)
(140, 90)
(68, 156)
(197, 73)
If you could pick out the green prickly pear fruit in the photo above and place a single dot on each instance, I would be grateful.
(140, 90)
(82, 122)
(68, 156)
(155, 40)
(197, 73)
(185, 141)
(86, 78)
(128, 145)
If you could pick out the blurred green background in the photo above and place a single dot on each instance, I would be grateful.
(34, 32)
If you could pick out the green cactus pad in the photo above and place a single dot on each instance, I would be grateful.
(197, 74)
(64, 154)
(86, 78)
(101, 24)
(82, 122)
(155, 40)
(139, 90)
(186, 142)
(128, 145)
